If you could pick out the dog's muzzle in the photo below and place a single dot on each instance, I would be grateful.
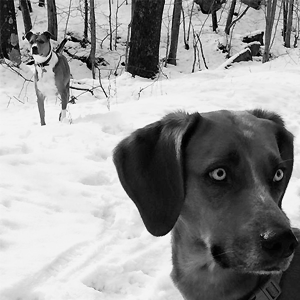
(35, 50)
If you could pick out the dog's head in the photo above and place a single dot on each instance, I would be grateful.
(219, 178)
(40, 44)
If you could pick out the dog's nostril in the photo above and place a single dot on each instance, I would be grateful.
(279, 245)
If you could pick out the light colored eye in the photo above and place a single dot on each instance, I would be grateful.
(218, 174)
(278, 175)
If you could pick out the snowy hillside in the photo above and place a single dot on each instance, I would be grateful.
(67, 228)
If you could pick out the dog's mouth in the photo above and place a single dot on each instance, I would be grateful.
(251, 262)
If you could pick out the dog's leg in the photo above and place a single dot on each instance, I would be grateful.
(40, 101)
(64, 102)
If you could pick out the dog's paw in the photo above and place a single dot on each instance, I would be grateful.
(63, 118)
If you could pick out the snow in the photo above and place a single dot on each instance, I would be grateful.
(68, 231)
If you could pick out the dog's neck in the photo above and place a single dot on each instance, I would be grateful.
(198, 276)
(43, 60)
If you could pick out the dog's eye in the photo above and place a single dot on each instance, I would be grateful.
(218, 174)
(278, 175)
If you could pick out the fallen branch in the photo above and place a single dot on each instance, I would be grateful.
(82, 89)
(85, 59)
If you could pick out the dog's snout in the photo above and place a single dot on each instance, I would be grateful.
(279, 245)
(35, 50)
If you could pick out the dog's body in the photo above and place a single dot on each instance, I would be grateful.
(52, 73)
(217, 181)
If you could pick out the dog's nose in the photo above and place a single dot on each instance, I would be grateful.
(279, 245)
(35, 50)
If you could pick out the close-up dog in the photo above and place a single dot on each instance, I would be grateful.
(216, 180)
(52, 72)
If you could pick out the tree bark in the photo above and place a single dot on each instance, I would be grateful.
(230, 17)
(214, 21)
(285, 17)
(110, 26)
(132, 8)
(52, 18)
(86, 23)
(24, 4)
(145, 38)
(175, 32)
(289, 23)
(9, 40)
(41, 3)
(271, 9)
(92, 55)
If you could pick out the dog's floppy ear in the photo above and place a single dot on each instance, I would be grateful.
(150, 167)
(285, 141)
(47, 34)
(28, 35)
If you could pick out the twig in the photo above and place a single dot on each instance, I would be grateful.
(14, 70)
(68, 17)
(82, 89)
(239, 17)
(100, 83)
(201, 48)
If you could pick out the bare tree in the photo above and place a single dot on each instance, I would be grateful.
(86, 22)
(24, 5)
(143, 57)
(288, 22)
(110, 26)
(132, 8)
(214, 18)
(230, 17)
(175, 32)
(52, 18)
(9, 40)
(270, 16)
(91, 58)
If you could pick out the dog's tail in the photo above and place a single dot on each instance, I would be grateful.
(61, 46)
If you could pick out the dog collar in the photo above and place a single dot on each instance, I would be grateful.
(46, 62)
(270, 290)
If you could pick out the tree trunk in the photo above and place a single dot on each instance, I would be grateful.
(175, 32)
(145, 38)
(214, 21)
(271, 9)
(287, 38)
(92, 55)
(41, 3)
(52, 18)
(110, 26)
(29, 6)
(285, 17)
(9, 40)
(86, 24)
(230, 17)
(132, 8)
(24, 4)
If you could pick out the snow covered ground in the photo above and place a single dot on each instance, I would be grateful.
(68, 231)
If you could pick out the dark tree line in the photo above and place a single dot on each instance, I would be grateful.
(145, 29)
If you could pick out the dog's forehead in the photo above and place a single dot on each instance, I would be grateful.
(38, 37)
(242, 122)
(43, 37)
(228, 132)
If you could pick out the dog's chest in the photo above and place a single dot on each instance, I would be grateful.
(45, 77)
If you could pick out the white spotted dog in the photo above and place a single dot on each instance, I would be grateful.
(52, 72)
